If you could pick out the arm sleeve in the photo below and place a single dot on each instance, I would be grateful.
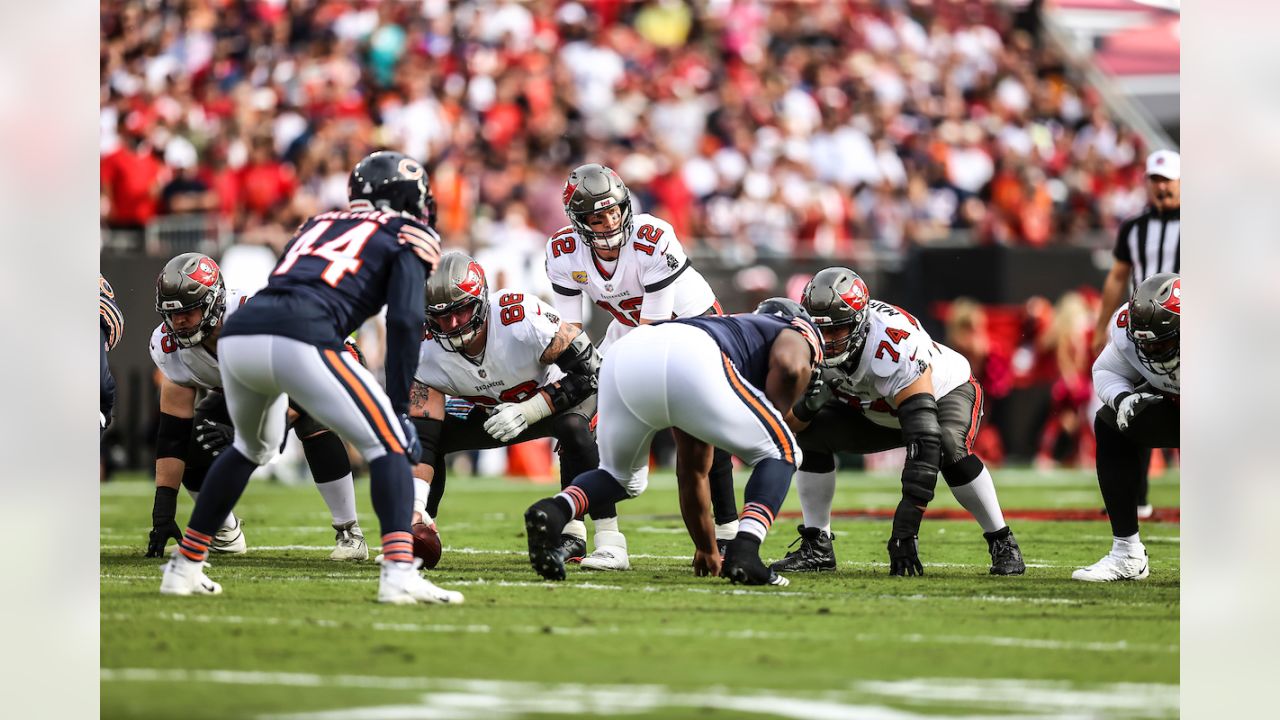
(569, 307)
(659, 305)
(1112, 375)
(404, 327)
(107, 383)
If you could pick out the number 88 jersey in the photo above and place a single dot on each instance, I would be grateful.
(520, 327)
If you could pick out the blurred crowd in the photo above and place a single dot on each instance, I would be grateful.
(758, 129)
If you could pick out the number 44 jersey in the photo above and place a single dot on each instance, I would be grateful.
(520, 327)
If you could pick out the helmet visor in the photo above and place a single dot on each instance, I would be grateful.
(1159, 350)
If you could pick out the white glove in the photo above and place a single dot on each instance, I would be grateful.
(507, 421)
(1133, 404)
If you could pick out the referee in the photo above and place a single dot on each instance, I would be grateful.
(1146, 245)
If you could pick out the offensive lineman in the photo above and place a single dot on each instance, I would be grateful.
(885, 384)
(339, 269)
(192, 297)
(634, 268)
(528, 374)
(1137, 377)
(724, 382)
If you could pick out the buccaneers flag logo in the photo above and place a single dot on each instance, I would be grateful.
(1173, 303)
(473, 283)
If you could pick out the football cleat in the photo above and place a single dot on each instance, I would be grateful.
(1006, 556)
(610, 552)
(742, 564)
(350, 543)
(1114, 566)
(229, 539)
(402, 584)
(815, 553)
(1145, 512)
(543, 522)
(725, 533)
(573, 548)
(184, 577)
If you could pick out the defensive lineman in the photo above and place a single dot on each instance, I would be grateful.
(110, 330)
(886, 384)
(723, 382)
(194, 302)
(633, 267)
(340, 269)
(1137, 377)
(529, 375)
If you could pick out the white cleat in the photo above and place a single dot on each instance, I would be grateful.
(610, 552)
(350, 543)
(1114, 566)
(1145, 512)
(402, 584)
(184, 577)
(229, 539)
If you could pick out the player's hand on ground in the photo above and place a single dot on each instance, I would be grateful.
(706, 564)
(506, 423)
(161, 535)
(412, 446)
(904, 556)
(1131, 405)
(214, 437)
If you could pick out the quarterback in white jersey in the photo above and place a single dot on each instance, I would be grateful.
(1137, 379)
(525, 373)
(633, 267)
(192, 297)
(886, 384)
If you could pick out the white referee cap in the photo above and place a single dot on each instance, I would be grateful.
(1165, 163)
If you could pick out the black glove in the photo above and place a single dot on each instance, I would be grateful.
(412, 448)
(816, 395)
(163, 527)
(214, 437)
(351, 347)
(904, 556)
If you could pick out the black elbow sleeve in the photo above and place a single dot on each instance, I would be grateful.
(173, 437)
(581, 365)
(922, 437)
(429, 431)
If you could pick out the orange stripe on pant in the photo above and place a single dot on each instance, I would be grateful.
(739, 387)
(975, 417)
(358, 389)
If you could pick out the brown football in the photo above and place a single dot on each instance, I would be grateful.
(426, 544)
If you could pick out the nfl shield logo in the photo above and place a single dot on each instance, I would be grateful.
(608, 287)
(483, 374)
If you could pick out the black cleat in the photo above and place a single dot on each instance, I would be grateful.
(742, 564)
(815, 554)
(722, 545)
(1006, 556)
(543, 522)
(572, 548)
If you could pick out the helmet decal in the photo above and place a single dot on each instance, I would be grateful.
(206, 272)
(410, 169)
(857, 295)
(473, 283)
(1173, 303)
(569, 189)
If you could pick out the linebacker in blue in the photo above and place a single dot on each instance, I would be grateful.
(287, 343)
(719, 382)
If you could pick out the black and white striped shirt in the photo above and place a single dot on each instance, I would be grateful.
(1150, 243)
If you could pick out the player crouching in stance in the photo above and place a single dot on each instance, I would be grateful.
(194, 301)
(1137, 379)
(528, 374)
(727, 382)
(885, 384)
(339, 270)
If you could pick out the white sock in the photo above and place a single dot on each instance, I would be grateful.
(340, 496)
(751, 526)
(606, 524)
(421, 488)
(727, 531)
(227, 523)
(578, 529)
(1128, 546)
(979, 498)
(816, 492)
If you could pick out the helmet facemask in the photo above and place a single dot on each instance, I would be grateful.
(456, 324)
(593, 188)
(191, 282)
(1159, 354)
(842, 339)
(606, 240)
(1155, 319)
(839, 302)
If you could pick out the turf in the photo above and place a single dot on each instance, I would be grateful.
(297, 635)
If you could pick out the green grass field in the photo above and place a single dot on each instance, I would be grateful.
(297, 635)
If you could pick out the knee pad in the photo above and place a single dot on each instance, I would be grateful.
(326, 457)
(963, 472)
(816, 461)
(574, 432)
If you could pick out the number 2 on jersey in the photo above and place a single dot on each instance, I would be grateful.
(342, 252)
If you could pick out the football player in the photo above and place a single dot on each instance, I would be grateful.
(633, 267)
(338, 270)
(192, 297)
(725, 382)
(110, 330)
(1137, 379)
(885, 384)
(528, 374)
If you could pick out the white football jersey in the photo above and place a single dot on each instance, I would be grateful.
(1118, 370)
(896, 354)
(192, 367)
(520, 328)
(651, 260)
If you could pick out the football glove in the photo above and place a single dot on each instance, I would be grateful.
(904, 556)
(161, 535)
(506, 422)
(822, 386)
(214, 437)
(412, 447)
(1132, 404)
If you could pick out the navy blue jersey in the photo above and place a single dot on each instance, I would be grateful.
(746, 339)
(338, 271)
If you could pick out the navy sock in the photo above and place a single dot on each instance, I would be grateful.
(770, 480)
(391, 485)
(223, 486)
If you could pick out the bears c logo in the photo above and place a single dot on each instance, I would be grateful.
(410, 169)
